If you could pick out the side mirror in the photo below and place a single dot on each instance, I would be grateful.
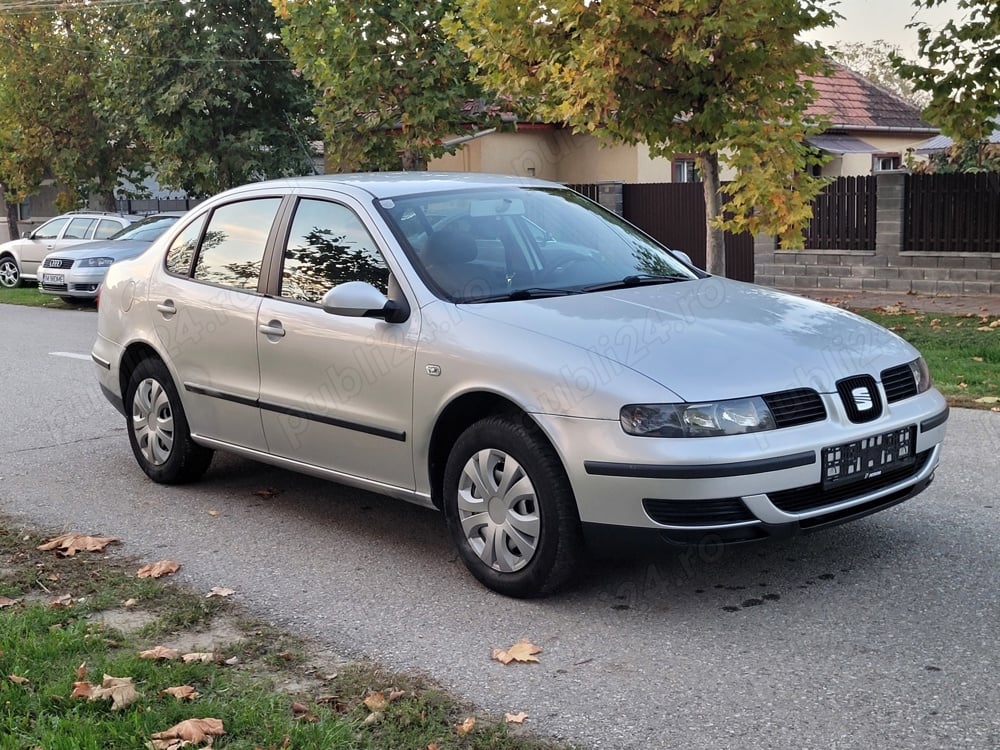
(684, 257)
(359, 299)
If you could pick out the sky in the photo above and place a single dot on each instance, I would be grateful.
(870, 20)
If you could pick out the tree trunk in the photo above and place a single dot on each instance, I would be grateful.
(413, 160)
(715, 239)
(12, 228)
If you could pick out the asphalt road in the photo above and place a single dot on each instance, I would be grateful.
(884, 633)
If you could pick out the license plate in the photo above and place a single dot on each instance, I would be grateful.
(51, 278)
(869, 457)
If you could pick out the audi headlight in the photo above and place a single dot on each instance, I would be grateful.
(921, 374)
(736, 417)
(97, 262)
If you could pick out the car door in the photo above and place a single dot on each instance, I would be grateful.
(335, 391)
(205, 317)
(39, 243)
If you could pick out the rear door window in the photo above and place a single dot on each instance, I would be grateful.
(232, 247)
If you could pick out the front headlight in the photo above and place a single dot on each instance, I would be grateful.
(921, 374)
(736, 417)
(96, 262)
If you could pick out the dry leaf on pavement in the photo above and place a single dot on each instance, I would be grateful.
(522, 651)
(158, 569)
(68, 545)
(517, 718)
(219, 591)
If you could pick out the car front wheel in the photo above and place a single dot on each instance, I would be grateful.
(158, 428)
(510, 509)
(10, 274)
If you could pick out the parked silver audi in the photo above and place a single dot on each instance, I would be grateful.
(511, 353)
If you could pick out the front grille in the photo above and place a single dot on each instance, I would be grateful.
(859, 395)
(804, 499)
(58, 263)
(800, 406)
(54, 287)
(899, 383)
(697, 512)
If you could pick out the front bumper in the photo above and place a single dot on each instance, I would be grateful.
(740, 488)
(71, 283)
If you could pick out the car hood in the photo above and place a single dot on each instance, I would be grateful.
(117, 249)
(712, 338)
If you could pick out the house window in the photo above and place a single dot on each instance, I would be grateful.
(686, 170)
(885, 162)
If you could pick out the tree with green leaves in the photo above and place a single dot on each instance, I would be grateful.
(212, 93)
(52, 123)
(960, 70)
(392, 85)
(721, 80)
(875, 62)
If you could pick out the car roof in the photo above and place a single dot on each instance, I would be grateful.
(394, 184)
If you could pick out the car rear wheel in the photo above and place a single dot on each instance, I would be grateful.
(158, 428)
(10, 274)
(510, 509)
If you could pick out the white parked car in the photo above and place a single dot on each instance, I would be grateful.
(20, 259)
(511, 353)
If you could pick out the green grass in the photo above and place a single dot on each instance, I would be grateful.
(45, 651)
(29, 296)
(962, 351)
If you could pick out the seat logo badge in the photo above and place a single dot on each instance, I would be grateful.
(862, 399)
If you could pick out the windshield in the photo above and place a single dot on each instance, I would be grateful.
(145, 230)
(514, 243)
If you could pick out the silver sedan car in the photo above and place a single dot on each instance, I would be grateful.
(509, 352)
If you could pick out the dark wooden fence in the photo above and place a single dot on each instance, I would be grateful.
(674, 214)
(952, 213)
(844, 216)
(144, 206)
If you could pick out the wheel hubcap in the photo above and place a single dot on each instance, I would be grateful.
(153, 421)
(8, 273)
(498, 510)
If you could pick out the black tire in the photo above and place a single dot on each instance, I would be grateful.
(164, 450)
(10, 274)
(522, 541)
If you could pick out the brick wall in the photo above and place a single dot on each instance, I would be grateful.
(887, 268)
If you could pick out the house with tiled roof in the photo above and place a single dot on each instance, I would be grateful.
(871, 130)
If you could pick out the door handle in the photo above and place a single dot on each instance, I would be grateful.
(167, 307)
(272, 329)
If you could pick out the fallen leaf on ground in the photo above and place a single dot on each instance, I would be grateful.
(213, 512)
(192, 730)
(6, 602)
(977, 359)
(522, 651)
(181, 692)
(18, 680)
(160, 652)
(120, 690)
(81, 671)
(988, 400)
(395, 695)
(376, 702)
(517, 718)
(81, 689)
(68, 545)
(985, 329)
(204, 657)
(158, 569)
(130, 603)
(63, 600)
(465, 727)
(219, 591)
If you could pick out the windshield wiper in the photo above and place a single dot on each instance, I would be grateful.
(639, 279)
(534, 292)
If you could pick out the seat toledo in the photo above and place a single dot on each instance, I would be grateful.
(504, 350)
